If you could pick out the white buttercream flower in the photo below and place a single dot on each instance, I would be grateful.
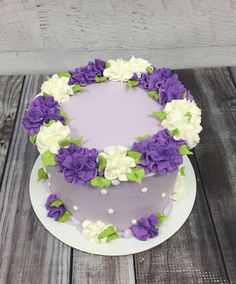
(185, 116)
(91, 231)
(49, 137)
(122, 70)
(58, 88)
(180, 188)
(118, 164)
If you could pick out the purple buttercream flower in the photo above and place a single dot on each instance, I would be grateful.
(41, 110)
(54, 212)
(160, 153)
(145, 228)
(164, 83)
(86, 75)
(78, 164)
(51, 198)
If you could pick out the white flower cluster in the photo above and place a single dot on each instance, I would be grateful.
(58, 88)
(91, 231)
(122, 70)
(185, 116)
(118, 164)
(49, 137)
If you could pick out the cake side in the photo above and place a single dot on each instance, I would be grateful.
(119, 205)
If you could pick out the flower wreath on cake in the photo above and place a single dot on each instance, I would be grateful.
(159, 153)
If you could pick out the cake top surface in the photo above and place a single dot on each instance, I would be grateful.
(110, 103)
(111, 114)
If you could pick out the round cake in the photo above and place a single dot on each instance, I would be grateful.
(112, 135)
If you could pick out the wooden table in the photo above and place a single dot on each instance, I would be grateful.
(202, 251)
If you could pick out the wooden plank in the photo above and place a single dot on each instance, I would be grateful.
(52, 61)
(192, 255)
(10, 88)
(215, 92)
(29, 254)
(89, 268)
(30, 25)
(232, 71)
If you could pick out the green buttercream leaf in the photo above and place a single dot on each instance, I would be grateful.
(136, 175)
(141, 138)
(184, 150)
(50, 123)
(174, 132)
(46, 95)
(135, 155)
(62, 113)
(154, 95)
(57, 203)
(77, 88)
(149, 69)
(42, 175)
(77, 142)
(182, 171)
(65, 217)
(132, 84)
(102, 162)
(184, 95)
(107, 64)
(63, 74)
(112, 237)
(161, 115)
(161, 218)
(188, 115)
(66, 142)
(100, 182)
(48, 159)
(110, 230)
(100, 79)
(33, 138)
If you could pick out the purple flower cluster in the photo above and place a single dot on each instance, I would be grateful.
(86, 75)
(54, 212)
(77, 164)
(160, 153)
(164, 83)
(41, 110)
(145, 228)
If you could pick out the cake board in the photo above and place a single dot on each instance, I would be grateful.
(70, 235)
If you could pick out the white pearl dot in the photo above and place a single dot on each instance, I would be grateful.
(110, 211)
(134, 222)
(49, 184)
(103, 192)
(163, 195)
(75, 208)
(49, 175)
(145, 189)
(115, 182)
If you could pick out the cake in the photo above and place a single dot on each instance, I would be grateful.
(111, 136)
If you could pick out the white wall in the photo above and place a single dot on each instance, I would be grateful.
(41, 36)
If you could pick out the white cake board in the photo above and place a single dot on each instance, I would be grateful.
(69, 234)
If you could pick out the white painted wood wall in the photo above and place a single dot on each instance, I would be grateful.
(40, 36)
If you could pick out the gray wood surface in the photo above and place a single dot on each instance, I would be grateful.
(215, 92)
(57, 35)
(29, 254)
(202, 251)
(10, 88)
